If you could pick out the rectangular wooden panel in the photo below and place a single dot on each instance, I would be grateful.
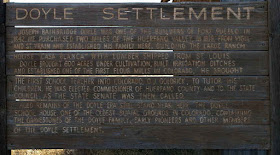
(148, 14)
(137, 88)
(194, 37)
(151, 137)
(145, 76)
(139, 63)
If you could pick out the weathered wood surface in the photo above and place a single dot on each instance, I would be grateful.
(163, 15)
(130, 112)
(139, 63)
(3, 108)
(151, 137)
(239, 152)
(121, 88)
(246, 97)
(274, 17)
(228, 152)
(196, 37)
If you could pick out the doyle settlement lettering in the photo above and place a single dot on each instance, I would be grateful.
(188, 13)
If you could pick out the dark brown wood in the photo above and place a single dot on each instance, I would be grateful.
(187, 112)
(151, 137)
(243, 152)
(139, 63)
(145, 88)
(92, 14)
(245, 97)
(3, 113)
(195, 37)
(274, 9)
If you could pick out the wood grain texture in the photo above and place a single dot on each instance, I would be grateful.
(254, 134)
(274, 7)
(140, 63)
(92, 14)
(243, 152)
(195, 37)
(233, 152)
(146, 137)
(3, 112)
(187, 112)
(121, 88)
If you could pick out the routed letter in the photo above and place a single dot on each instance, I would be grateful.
(249, 11)
(176, 13)
(67, 12)
(237, 15)
(108, 13)
(216, 11)
(202, 12)
(17, 13)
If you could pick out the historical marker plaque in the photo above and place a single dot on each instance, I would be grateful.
(181, 75)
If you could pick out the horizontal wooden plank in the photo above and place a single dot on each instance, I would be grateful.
(129, 14)
(114, 112)
(189, 38)
(143, 88)
(140, 63)
(154, 137)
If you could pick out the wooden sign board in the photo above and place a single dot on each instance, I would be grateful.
(146, 76)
